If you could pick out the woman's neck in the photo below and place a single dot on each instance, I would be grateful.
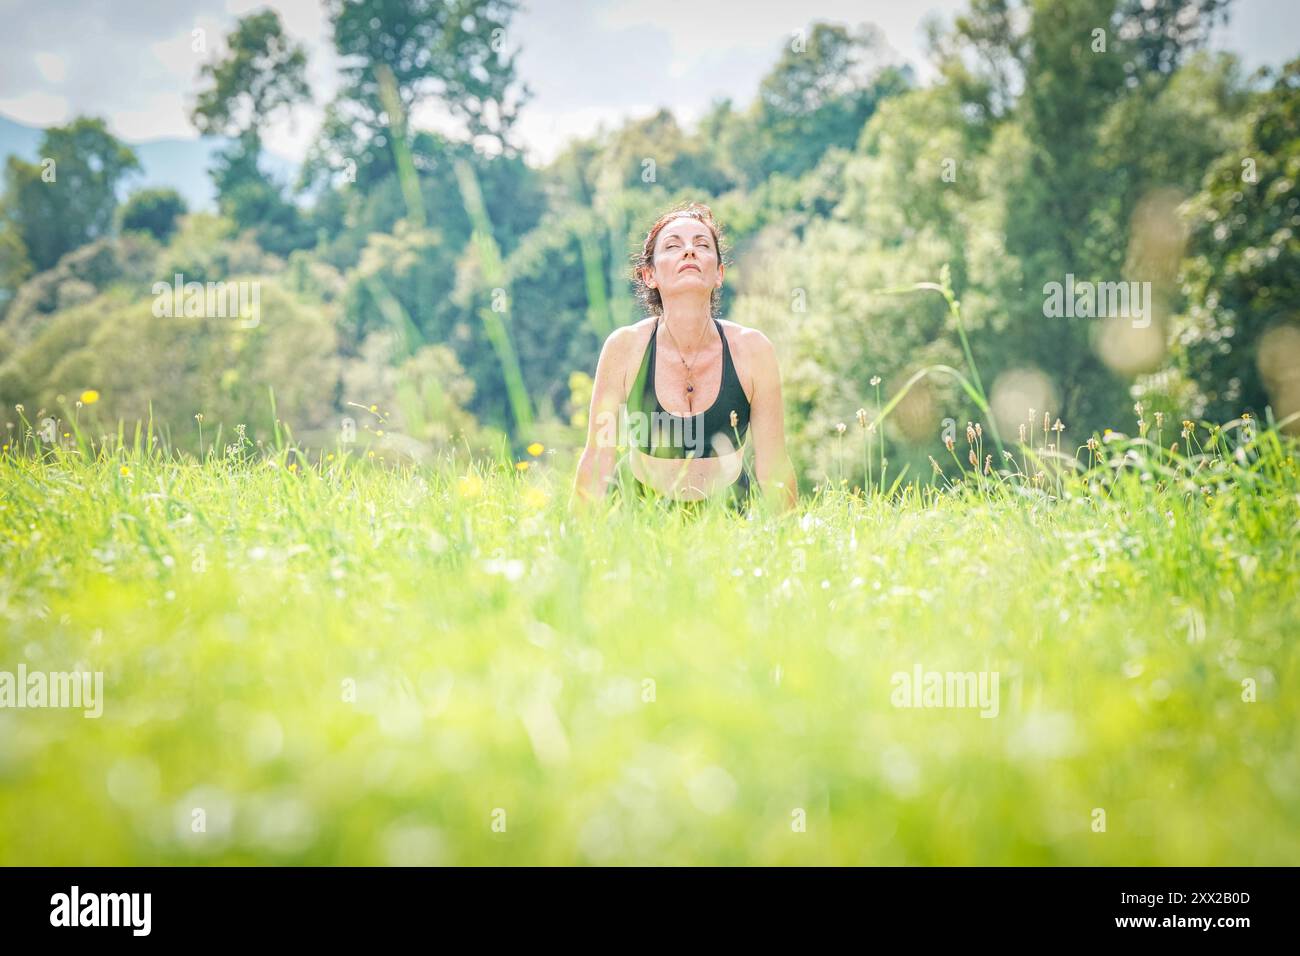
(688, 326)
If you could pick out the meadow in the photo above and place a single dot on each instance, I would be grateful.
(323, 658)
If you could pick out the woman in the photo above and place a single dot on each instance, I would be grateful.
(685, 392)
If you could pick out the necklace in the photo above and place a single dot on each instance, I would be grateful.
(690, 382)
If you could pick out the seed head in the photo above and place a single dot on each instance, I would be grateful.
(875, 380)
(862, 417)
(970, 434)
(840, 428)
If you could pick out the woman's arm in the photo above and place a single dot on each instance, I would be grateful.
(772, 467)
(600, 456)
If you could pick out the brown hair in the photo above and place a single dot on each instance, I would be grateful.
(644, 259)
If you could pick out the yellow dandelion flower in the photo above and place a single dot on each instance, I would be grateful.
(535, 498)
(293, 467)
(329, 457)
(374, 408)
(536, 448)
(521, 466)
(469, 485)
(124, 471)
(89, 397)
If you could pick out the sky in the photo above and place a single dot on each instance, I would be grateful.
(588, 62)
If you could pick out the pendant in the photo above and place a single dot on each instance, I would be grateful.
(690, 387)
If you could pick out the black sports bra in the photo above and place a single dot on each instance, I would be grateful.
(703, 435)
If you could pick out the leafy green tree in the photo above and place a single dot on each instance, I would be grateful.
(401, 54)
(14, 264)
(1088, 83)
(1240, 338)
(154, 211)
(70, 197)
(820, 94)
(657, 150)
(262, 74)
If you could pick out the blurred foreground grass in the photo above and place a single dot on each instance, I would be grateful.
(342, 663)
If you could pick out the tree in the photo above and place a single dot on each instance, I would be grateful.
(819, 95)
(1088, 83)
(154, 211)
(262, 74)
(416, 52)
(70, 197)
(14, 264)
(1240, 338)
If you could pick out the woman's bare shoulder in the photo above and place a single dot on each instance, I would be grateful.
(626, 339)
(751, 343)
(624, 346)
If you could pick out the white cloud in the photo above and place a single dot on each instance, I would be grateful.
(545, 134)
(156, 116)
(52, 66)
(37, 108)
(177, 54)
(589, 61)
(699, 31)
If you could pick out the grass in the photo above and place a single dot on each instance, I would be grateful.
(338, 662)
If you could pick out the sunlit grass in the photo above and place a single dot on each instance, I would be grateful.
(340, 661)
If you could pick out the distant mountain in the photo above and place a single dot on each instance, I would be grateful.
(181, 164)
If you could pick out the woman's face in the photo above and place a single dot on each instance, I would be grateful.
(685, 259)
